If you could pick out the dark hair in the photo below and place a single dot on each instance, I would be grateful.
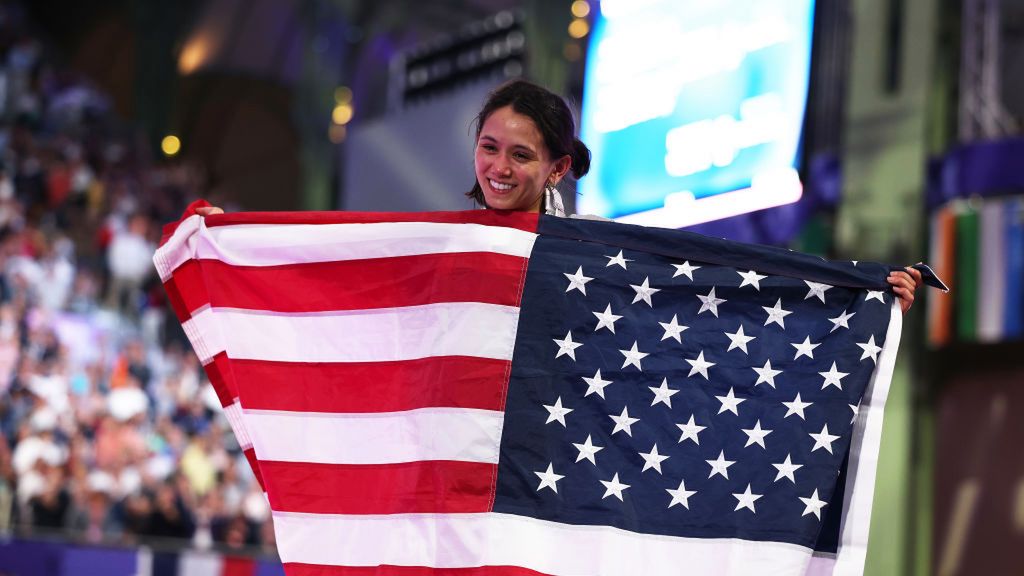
(551, 115)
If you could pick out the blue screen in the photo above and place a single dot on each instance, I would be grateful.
(689, 100)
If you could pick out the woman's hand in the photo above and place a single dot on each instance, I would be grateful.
(209, 210)
(904, 284)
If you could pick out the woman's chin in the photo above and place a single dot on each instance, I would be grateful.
(501, 203)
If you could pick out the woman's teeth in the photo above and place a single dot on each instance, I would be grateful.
(500, 186)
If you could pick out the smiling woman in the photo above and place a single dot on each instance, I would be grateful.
(525, 145)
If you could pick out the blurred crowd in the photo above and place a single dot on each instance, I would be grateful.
(109, 431)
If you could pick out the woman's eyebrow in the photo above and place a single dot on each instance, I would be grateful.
(515, 146)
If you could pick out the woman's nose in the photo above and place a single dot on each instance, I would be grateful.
(502, 165)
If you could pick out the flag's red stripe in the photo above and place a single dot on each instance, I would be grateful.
(437, 486)
(352, 284)
(299, 569)
(219, 373)
(250, 456)
(520, 220)
(437, 382)
(177, 301)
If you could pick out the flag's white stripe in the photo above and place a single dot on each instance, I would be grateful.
(178, 247)
(860, 477)
(233, 412)
(384, 334)
(459, 434)
(821, 564)
(490, 539)
(276, 244)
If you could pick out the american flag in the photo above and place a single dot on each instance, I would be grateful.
(486, 393)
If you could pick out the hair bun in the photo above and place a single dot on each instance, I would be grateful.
(580, 159)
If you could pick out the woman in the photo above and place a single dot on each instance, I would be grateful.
(526, 144)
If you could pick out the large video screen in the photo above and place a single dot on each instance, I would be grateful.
(693, 110)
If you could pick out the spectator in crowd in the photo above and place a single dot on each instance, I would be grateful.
(107, 427)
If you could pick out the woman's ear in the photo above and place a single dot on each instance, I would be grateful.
(562, 166)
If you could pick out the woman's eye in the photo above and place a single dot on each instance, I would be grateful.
(521, 156)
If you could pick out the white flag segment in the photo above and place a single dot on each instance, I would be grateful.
(860, 475)
(233, 412)
(492, 540)
(376, 335)
(282, 244)
(457, 434)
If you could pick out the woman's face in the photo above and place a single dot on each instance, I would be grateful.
(512, 163)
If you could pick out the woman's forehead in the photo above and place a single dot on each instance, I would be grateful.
(507, 125)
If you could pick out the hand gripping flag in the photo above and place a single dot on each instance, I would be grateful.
(506, 394)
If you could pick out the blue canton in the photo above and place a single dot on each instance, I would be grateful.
(706, 397)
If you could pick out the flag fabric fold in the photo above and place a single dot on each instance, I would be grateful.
(504, 393)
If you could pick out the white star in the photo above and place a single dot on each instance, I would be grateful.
(776, 314)
(710, 302)
(587, 451)
(806, 348)
(596, 385)
(756, 435)
(720, 466)
(766, 374)
(623, 421)
(739, 340)
(548, 479)
(673, 329)
(652, 460)
(699, 366)
(841, 321)
(875, 295)
(747, 499)
(606, 319)
(685, 269)
(856, 412)
(557, 412)
(833, 377)
(816, 289)
(786, 469)
(633, 356)
(823, 439)
(613, 487)
(663, 393)
(578, 281)
(690, 431)
(567, 347)
(752, 278)
(870, 349)
(680, 495)
(796, 407)
(855, 262)
(617, 260)
(644, 292)
(730, 402)
(813, 504)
